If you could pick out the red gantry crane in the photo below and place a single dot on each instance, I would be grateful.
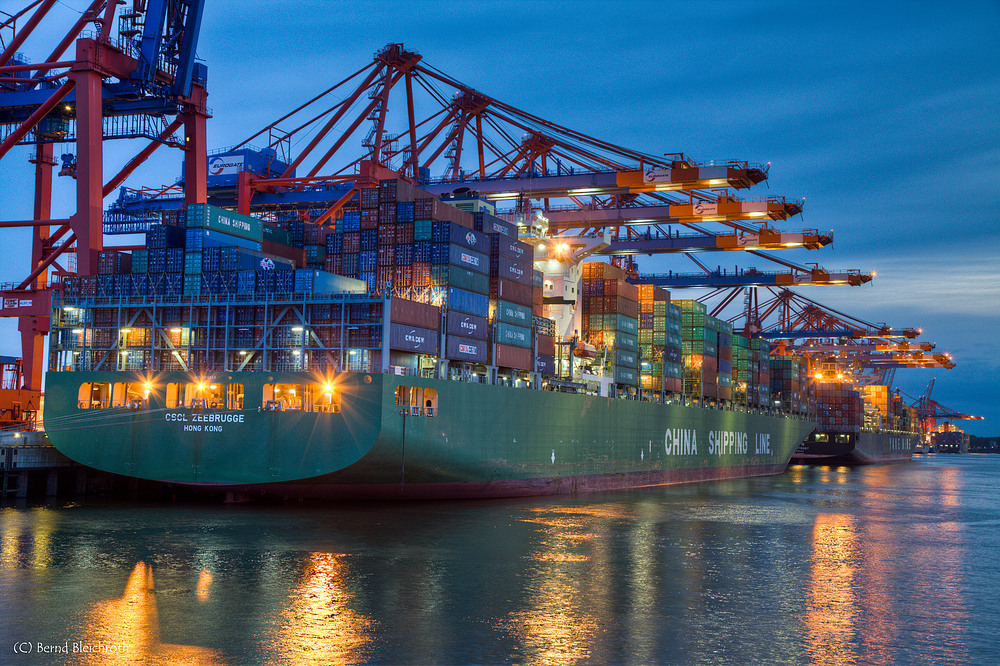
(122, 70)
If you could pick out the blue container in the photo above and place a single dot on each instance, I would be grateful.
(245, 282)
(474, 240)
(368, 277)
(368, 261)
(404, 211)
(173, 284)
(160, 236)
(296, 232)
(284, 281)
(157, 260)
(439, 253)
(123, 285)
(369, 239)
(140, 284)
(263, 282)
(404, 255)
(193, 239)
(335, 243)
(174, 260)
(352, 220)
(422, 251)
(468, 302)
(351, 264)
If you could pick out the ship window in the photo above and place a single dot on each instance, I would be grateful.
(175, 396)
(822, 437)
(322, 398)
(843, 438)
(134, 395)
(204, 395)
(283, 397)
(402, 396)
(94, 395)
(234, 396)
(430, 402)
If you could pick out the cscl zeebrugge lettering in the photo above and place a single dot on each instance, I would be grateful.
(182, 417)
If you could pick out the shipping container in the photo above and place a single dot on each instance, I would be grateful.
(512, 248)
(460, 324)
(468, 259)
(468, 302)
(413, 339)
(464, 349)
(511, 356)
(512, 313)
(510, 291)
(219, 219)
(509, 334)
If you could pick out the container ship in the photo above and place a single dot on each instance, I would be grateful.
(417, 347)
(857, 425)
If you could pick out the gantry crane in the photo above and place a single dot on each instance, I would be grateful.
(929, 411)
(137, 77)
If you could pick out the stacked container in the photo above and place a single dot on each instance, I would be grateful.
(788, 382)
(700, 349)
(659, 340)
(839, 407)
(510, 290)
(610, 319)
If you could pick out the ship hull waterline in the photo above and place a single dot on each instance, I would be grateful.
(482, 441)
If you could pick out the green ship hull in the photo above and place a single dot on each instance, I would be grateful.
(479, 441)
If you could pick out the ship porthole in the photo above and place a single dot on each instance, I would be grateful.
(368, 379)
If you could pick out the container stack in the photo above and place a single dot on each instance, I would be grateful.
(725, 364)
(743, 376)
(839, 407)
(659, 340)
(700, 349)
(545, 361)
(511, 292)
(878, 398)
(610, 319)
(788, 382)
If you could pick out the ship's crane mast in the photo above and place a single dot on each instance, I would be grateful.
(137, 77)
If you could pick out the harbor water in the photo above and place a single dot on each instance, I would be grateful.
(878, 565)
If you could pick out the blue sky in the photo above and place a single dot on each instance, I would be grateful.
(884, 116)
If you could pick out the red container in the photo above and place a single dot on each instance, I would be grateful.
(518, 358)
(403, 311)
(404, 233)
(546, 345)
(510, 291)
(422, 274)
(369, 219)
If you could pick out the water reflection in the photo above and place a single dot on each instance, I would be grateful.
(319, 626)
(127, 630)
(831, 609)
(564, 595)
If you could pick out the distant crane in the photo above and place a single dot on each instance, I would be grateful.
(929, 411)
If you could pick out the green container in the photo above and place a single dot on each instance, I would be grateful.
(517, 336)
(315, 254)
(626, 359)
(595, 322)
(512, 313)
(691, 306)
(693, 333)
(422, 230)
(219, 219)
(646, 336)
(659, 323)
(140, 261)
(467, 280)
(192, 263)
(277, 234)
(625, 324)
(192, 285)
(627, 376)
(659, 308)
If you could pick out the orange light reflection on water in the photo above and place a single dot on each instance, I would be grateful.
(132, 622)
(831, 609)
(567, 600)
(319, 626)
